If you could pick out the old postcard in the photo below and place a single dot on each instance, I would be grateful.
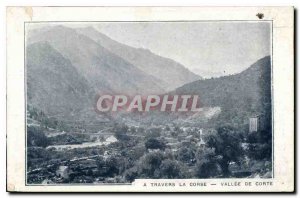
(150, 99)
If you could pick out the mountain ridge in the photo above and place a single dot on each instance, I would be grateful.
(170, 73)
(240, 96)
(97, 64)
(49, 72)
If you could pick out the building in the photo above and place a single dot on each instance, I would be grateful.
(201, 142)
(253, 124)
(111, 139)
(63, 172)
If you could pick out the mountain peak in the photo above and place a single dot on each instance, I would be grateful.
(105, 71)
(170, 73)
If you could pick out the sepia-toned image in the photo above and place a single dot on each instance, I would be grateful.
(152, 104)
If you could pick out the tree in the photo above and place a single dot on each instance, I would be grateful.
(177, 129)
(140, 130)
(37, 155)
(149, 165)
(227, 145)
(113, 166)
(154, 143)
(206, 168)
(207, 163)
(121, 132)
(35, 137)
(186, 155)
(260, 145)
(259, 151)
(132, 129)
(174, 134)
(131, 174)
(153, 132)
(101, 166)
(170, 169)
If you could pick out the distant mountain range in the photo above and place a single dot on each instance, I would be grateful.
(240, 96)
(105, 71)
(169, 74)
(54, 85)
(67, 67)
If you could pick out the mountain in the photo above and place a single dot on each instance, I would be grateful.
(169, 73)
(54, 86)
(239, 96)
(67, 68)
(104, 71)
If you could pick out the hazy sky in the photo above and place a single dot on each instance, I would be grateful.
(206, 48)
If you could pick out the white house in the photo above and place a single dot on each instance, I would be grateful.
(111, 139)
(63, 172)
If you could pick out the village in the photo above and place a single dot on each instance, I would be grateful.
(120, 153)
(103, 146)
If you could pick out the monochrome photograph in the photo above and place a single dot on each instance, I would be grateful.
(227, 65)
(151, 105)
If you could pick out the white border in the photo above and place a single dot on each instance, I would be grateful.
(283, 82)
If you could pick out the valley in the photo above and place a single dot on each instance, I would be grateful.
(69, 140)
